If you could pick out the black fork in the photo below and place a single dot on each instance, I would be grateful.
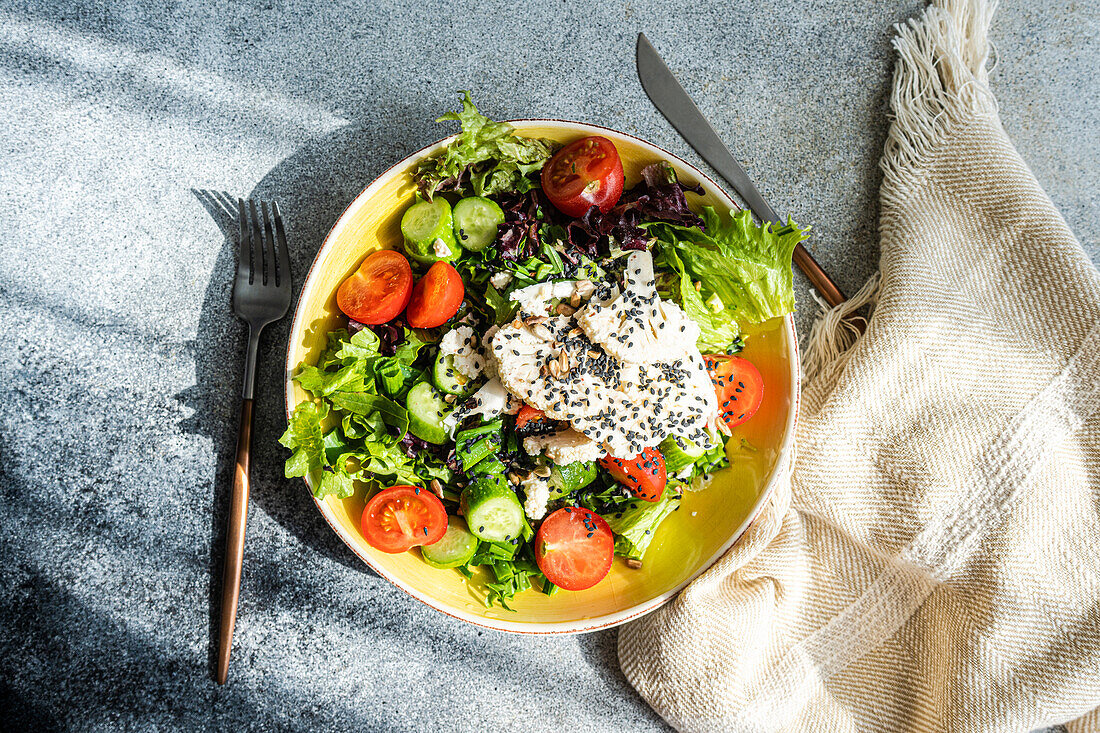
(261, 295)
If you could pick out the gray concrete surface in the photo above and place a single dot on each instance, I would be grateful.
(120, 359)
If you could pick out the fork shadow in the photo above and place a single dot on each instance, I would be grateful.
(312, 186)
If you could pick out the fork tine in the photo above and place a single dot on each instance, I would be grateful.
(244, 253)
(257, 243)
(271, 277)
(282, 252)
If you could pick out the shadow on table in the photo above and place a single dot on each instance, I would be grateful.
(601, 650)
(312, 186)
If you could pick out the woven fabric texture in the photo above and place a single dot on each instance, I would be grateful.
(934, 563)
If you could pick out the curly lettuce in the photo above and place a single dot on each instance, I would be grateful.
(354, 430)
(486, 158)
(635, 523)
(743, 270)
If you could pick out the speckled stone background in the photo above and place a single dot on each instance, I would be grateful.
(120, 360)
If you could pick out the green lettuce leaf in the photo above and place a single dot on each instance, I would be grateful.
(486, 158)
(363, 345)
(334, 483)
(635, 524)
(305, 437)
(366, 405)
(363, 445)
(407, 352)
(717, 326)
(745, 266)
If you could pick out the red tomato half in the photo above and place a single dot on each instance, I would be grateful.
(379, 290)
(401, 517)
(583, 174)
(644, 474)
(574, 548)
(436, 297)
(739, 387)
(527, 415)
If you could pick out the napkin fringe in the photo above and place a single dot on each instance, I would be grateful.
(833, 334)
(940, 81)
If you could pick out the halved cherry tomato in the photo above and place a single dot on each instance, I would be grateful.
(435, 297)
(526, 415)
(583, 174)
(739, 387)
(574, 548)
(644, 474)
(401, 517)
(379, 290)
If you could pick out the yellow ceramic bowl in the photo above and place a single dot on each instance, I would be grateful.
(686, 543)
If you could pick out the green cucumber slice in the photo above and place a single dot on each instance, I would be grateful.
(476, 220)
(457, 546)
(486, 467)
(428, 228)
(679, 453)
(564, 480)
(426, 411)
(449, 379)
(493, 512)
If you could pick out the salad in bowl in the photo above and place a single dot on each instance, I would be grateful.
(545, 367)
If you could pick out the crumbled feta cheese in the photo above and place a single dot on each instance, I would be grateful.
(441, 249)
(489, 401)
(537, 491)
(465, 348)
(489, 366)
(535, 299)
(564, 446)
(500, 280)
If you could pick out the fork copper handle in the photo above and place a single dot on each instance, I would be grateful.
(234, 543)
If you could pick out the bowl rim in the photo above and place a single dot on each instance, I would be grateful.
(779, 471)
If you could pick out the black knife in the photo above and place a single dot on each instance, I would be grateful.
(669, 97)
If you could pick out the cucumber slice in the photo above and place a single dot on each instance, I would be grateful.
(476, 220)
(428, 228)
(680, 453)
(426, 412)
(486, 467)
(571, 477)
(449, 379)
(457, 546)
(493, 512)
(476, 444)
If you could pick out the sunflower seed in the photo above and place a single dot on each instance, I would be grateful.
(513, 478)
(564, 309)
(584, 288)
(543, 472)
(449, 399)
(575, 301)
(542, 332)
(535, 320)
(436, 487)
(632, 563)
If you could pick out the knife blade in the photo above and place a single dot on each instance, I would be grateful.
(673, 101)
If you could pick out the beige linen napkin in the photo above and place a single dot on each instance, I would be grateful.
(935, 562)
